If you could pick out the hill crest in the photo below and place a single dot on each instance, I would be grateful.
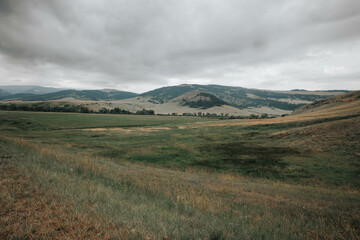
(188, 98)
(329, 102)
(89, 95)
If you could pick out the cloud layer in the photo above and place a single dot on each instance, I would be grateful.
(138, 45)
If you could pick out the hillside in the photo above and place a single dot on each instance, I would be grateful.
(4, 93)
(91, 95)
(17, 96)
(344, 101)
(164, 177)
(15, 89)
(242, 97)
(198, 99)
(186, 98)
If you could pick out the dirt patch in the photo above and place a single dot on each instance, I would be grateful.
(127, 130)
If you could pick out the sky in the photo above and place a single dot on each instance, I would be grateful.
(140, 45)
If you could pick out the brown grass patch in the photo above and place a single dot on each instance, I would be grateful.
(344, 109)
(343, 134)
(29, 212)
(331, 210)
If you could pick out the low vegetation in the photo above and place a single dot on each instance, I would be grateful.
(163, 177)
(81, 108)
(46, 107)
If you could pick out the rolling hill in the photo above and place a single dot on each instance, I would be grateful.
(299, 172)
(342, 102)
(243, 97)
(183, 99)
(4, 93)
(198, 99)
(89, 95)
(15, 89)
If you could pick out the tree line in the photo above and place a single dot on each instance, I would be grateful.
(69, 108)
(40, 107)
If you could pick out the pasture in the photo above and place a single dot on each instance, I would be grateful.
(95, 176)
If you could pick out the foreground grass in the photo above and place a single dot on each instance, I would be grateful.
(155, 203)
(145, 182)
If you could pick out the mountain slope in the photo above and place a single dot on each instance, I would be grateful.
(242, 97)
(17, 96)
(92, 95)
(188, 98)
(15, 89)
(4, 93)
(198, 99)
(349, 102)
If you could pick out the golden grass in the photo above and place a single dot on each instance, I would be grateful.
(224, 193)
(29, 212)
(310, 211)
(338, 110)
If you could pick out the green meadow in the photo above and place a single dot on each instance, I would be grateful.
(163, 177)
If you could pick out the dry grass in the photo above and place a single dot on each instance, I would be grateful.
(29, 212)
(338, 110)
(337, 135)
(48, 192)
(127, 130)
(329, 213)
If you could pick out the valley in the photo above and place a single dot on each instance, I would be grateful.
(172, 177)
(186, 99)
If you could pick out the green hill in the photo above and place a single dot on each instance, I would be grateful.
(271, 102)
(34, 89)
(197, 99)
(90, 95)
(242, 97)
(4, 93)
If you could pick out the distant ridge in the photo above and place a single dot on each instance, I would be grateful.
(15, 89)
(242, 97)
(186, 98)
(90, 95)
(4, 93)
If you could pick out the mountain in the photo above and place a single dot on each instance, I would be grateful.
(243, 97)
(198, 99)
(15, 89)
(4, 93)
(89, 95)
(17, 96)
(187, 99)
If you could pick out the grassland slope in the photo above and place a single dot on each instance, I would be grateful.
(162, 177)
(243, 97)
(341, 101)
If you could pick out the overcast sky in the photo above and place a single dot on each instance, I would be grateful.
(139, 45)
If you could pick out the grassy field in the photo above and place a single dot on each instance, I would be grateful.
(83, 176)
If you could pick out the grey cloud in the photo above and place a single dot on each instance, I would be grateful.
(5, 7)
(333, 10)
(120, 43)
